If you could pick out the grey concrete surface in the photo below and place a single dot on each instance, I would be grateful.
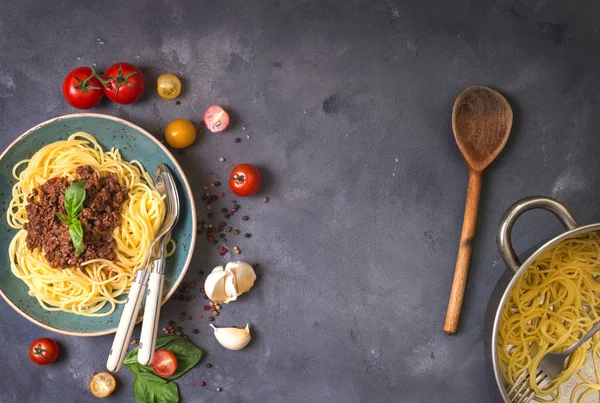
(345, 106)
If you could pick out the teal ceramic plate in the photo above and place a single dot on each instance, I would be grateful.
(134, 143)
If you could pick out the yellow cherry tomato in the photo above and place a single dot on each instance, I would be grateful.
(168, 86)
(102, 384)
(180, 133)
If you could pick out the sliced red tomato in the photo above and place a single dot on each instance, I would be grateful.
(82, 89)
(43, 351)
(244, 180)
(216, 119)
(164, 363)
(125, 83)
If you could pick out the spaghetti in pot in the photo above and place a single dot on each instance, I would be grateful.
(87, 289)
(556, 301)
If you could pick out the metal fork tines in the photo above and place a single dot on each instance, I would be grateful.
(521, 392)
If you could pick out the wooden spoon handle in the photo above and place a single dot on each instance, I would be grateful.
(464, 253)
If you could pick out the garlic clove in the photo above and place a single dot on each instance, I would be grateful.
(244, 275)
(214, 286)
(233, 338)
(230, 286)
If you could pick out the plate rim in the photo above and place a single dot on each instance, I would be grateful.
(188, 189)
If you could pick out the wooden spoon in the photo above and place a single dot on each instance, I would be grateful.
(481, 121)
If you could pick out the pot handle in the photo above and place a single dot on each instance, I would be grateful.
(503, 238)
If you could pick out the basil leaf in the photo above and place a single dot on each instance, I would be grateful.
(148, 388)
(76, 233)
(74, 197)
(65, 220)
(186, 353)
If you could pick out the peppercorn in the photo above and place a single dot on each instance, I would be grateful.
(211, 303)
(195, 331)
(237, 139)
(208, 365)
(206, 297)
(171, 323)
(236, 231)
(221, 194)
(206, 307)
(222, 159)
(234, 201)
(218, 307)
(266, 199)
(202, 383)
(237, 251)
(178, 333)
(248, 235)
(213, 309)
(219, 389)
(224, 210)
(213, 198)
(217, 183)
(245, 218)
(211, 318)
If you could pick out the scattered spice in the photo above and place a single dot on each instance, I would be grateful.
(266, 199)
(221, 159)
(215, 313)
(202, 383)
(245, 218)
(218, 307)
(248, 235)
(219, 389)
(237, 140)
(195, 331)
(211, 318)
(236, 231)
(208, 365)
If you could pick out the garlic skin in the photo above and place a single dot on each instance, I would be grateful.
(226, 284)
(233, 338)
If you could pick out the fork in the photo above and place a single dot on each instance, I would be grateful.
(551, 365)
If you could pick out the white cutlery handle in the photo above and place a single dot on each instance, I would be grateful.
(151, 316)
(126, 325)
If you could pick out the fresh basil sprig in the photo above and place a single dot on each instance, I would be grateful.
(150, 388)
(74, 198)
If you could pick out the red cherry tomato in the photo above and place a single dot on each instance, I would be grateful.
(124, 83)
(244, 180)
(216, 119)
(164, 363)
(43, 351)
(81, 89)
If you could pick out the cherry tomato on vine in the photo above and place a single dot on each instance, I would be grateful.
(124, 83)
(164, 363)
(244, 180)
(82, 89)
(168, 86)
(43, 351)
(216, 119)
(180, 133)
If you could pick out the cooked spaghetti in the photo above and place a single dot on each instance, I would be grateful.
(553, 305)
(89, 286)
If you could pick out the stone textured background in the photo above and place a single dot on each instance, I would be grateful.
(345, 106)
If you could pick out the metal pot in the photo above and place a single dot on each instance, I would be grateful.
(516, 268)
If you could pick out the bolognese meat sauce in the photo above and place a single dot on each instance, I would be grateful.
(101, 214)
